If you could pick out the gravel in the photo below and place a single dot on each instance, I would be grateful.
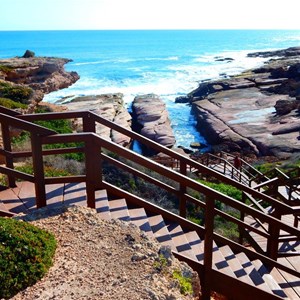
(100, 259)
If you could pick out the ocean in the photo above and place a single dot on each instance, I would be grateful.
(169, 63)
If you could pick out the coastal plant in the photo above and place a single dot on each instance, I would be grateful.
(185, 283)
(16, 93)
(8, 103)
(26, 254)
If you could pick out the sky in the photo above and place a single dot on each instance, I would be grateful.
(148, 14)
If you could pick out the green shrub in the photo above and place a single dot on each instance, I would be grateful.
(26, 254)
(185, 283)
(15, 92)
(11, 104)
(223, 188)
(48, 170)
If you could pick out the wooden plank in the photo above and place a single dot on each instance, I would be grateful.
(75, 193)
(12, 202)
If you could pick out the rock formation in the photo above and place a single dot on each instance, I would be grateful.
(110, 107)
(42, 74)
(152, 119)
(256, 111)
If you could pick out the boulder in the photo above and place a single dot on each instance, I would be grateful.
(151, 119)
(284, 107)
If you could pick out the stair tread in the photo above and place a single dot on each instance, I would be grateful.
(268, 278)
(285, 286)
(119, 210)
(235, 264)
(75, 193)
(160, 230)
(196, 244)
(102, 204)
(220, 263)
(139, 217)
(180, 241)
(256, 278)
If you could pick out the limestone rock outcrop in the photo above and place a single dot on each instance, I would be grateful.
(110, 107)
(152, 119)
(256, 111)
(44, 74)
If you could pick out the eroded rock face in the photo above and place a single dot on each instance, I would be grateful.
(110, 107)
(45, 74)
(256, 111)
(152, 119)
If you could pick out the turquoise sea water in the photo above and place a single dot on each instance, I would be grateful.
(133, 62)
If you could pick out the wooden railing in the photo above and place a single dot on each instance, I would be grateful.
(95, 155)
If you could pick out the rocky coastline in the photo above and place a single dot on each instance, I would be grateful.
(256, 112)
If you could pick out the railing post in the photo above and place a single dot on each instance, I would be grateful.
(38, 170)
(208, 248)
(273, 240)
(7, 147)
(242, 218)
(93, 171)
(182, 191)
(89, 124)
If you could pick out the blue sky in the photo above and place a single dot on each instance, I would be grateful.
(148, 14)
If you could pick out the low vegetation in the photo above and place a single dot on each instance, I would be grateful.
(26, 254)
(14, 92)
(8, 103)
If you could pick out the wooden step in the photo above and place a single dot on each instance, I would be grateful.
(54, 195)
(284, 285)
(252, 272)
(268, 278)
(235, 264)
(139, 217)
(180, 241)
(160, 230)
(293, 281)
(75, 193)
(220, 263)
(196, 244)
(102, 204)
(119, 210)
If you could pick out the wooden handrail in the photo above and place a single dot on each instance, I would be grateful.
(25, 125)
(90, 117)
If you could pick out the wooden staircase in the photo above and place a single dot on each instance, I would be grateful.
(167, 232)
(224, 266)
